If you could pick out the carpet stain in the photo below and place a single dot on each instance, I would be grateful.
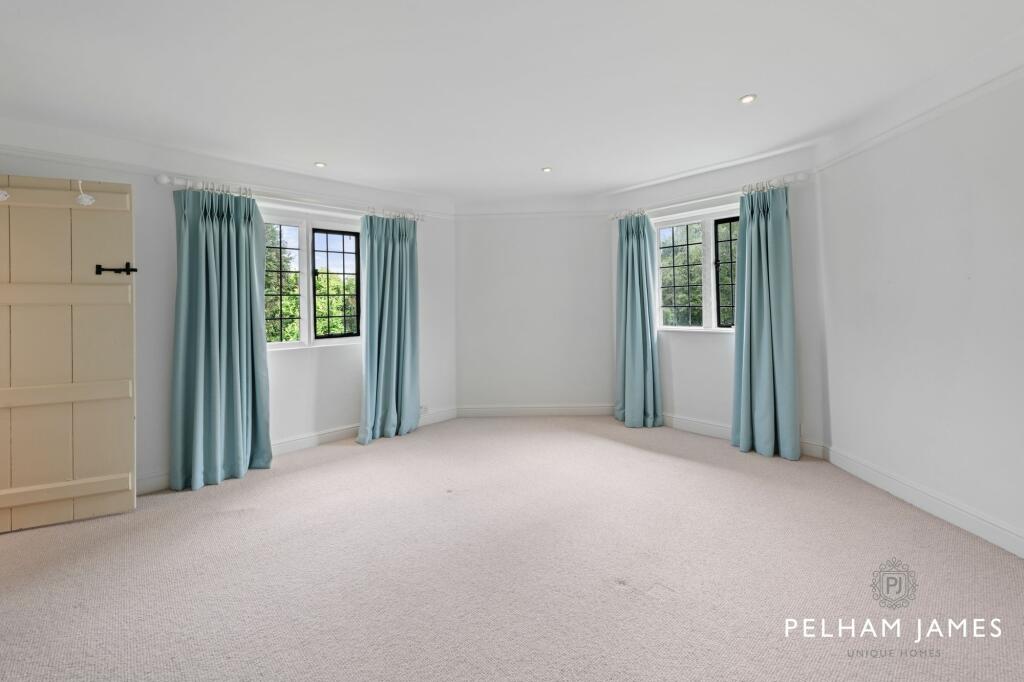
(659, 591)
(338, 565)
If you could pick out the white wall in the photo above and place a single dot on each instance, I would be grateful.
(922, 247)
(315, 393)
(536, 307)
(697, 366)
(534, 324)
(909, 320)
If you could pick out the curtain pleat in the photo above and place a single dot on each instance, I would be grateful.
(638, 382)
(765, 415)
(391, 371)
(220, 421)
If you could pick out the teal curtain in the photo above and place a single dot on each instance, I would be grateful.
(391, 342)
(220, 424)
(765, 410)
(637, 381)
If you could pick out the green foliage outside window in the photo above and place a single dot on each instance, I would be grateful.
(335, 284)
(726, 235)
(281, 284)
(681, 254)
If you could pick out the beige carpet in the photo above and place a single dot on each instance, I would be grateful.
(486, 549)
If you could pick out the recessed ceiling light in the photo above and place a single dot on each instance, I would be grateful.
(546, 169)
(320, 164)
(748, 99)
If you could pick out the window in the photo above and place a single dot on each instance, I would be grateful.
(726, 231)
(281, 287)
(312, 280)
(696, 288)
(682, 281)
(335, 284)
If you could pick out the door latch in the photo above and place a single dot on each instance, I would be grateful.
(126, 270)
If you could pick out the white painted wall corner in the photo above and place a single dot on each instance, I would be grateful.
(723, 431)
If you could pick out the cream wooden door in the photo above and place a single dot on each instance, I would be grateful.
(67, 353)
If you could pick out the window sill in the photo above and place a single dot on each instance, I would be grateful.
(320, 343)
(285, 345)
(699, 330)
(341, 341)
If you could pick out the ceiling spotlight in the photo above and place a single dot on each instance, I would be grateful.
(4, 196)
(84, 199)
(748, 99)
(546, 169)
(320, 164)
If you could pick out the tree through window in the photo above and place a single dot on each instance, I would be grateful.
(281, 285)
(335, 284)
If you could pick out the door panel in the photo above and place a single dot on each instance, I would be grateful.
(102, 349)
(99, 237)
(5, 241)
(39, 183)
(67, 369)
(5, 464)
(41, 453)
(5, 347)
(40, 345)
(40, 244)
(5, 359)
(103, 445)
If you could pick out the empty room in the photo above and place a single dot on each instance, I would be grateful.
(530, 340)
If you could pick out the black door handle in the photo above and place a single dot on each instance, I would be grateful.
(126, 270)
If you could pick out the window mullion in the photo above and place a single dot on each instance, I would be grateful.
(304, 282)
(707, 270)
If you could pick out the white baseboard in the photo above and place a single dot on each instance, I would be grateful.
(812, 449)
(724, 431)
(534, 410)
(957, 513)
(438, 416)
(934, 503)
(145, 485)
(160, 482)
(311, 440)
(701, 426)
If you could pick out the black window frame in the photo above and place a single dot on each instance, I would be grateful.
(279, 288)
(314, 272)
(731, 264)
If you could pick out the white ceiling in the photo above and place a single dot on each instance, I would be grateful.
(470, 98)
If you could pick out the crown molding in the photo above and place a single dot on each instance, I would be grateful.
(703, 170)
(60, 145)
(995, 67)
(531, 206)
(531, 213)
